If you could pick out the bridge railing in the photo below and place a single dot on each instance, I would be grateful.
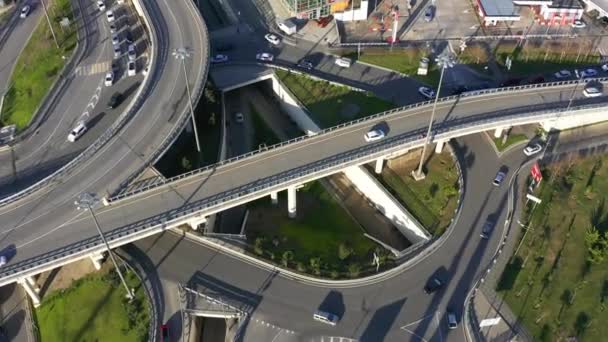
(217, 202)
(382, 115)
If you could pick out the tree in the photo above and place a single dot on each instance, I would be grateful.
(257, 246)
(286, 258)
(597, 245)
(354, 270)
(315, 265)
(344, 251)
(186, 164)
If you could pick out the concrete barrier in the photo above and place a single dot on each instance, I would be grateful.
(361, 179)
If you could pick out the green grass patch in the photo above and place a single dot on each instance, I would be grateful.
(549, 284)
(431, 201)
(511, 140)
(95, 309)
(406, 62)
(263, 133)
(323, 229)
(331, 104)
(183, 156)
(39, 66)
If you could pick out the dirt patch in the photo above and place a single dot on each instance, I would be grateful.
(63, 277)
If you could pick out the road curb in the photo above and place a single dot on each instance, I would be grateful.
(506, 150)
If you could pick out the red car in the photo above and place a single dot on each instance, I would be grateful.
(323, 22)
(164, 333)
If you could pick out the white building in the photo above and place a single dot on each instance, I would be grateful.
(548, 12)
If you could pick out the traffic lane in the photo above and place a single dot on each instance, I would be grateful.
(16, 41)
(49, 213)
(344, 140)
(302, 153)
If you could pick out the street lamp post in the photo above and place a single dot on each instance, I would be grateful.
(578, 81)
(183, 53)
(48, 19)
(88, 200)
(444, 61)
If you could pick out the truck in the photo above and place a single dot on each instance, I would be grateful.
(287, 26)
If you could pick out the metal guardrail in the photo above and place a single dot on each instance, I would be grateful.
(364, 120)
(148, 226)
(93, 148)
(179, 127)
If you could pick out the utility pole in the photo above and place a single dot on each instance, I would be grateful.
(445, 61)
(87, 200)
(183, 53)
(48, 19)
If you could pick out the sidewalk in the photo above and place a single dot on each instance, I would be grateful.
(499, 332)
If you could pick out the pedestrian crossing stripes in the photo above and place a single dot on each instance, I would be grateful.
(92, 69)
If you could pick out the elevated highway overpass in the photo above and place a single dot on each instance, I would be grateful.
(47, 236)
(140, 137)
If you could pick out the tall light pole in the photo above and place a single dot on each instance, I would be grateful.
(578, 81)
(87, 200)
(48, 19)
(444, 61)
(183, 53)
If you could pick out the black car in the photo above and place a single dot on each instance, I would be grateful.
(433, 285)
(115, 100)
(305, 64)
(487, 229)
(429, 13)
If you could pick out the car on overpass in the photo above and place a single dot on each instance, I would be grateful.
(592, 90)
(563, 74)
(374, 134)
(426, 92)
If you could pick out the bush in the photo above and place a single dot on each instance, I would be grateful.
(354, 270)
(344, 251)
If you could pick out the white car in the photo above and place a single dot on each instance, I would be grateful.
(592, 91)
(426, 92)
(451, 318)
(563, 74)
(272, 39)
(374, 135)
(109, 80)
(3, 260)
(110, 16)
(579, 24)
(264, 57)
(131, 52)
(77, 132)
(532, 149)
(589, 73)
(131, 68)
(344, 62)
(238, 117)
(605, 67)
(25, 11)
(219, 59)
(101, 5)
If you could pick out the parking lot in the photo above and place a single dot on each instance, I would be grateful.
(451, 19)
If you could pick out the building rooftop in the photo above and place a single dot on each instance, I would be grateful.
(575, 4)
(499, 8)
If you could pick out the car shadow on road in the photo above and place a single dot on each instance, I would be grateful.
(382, 321)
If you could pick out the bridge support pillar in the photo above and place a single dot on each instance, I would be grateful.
(97, 259)
(379, 164)
(196, 221)
(498, 132)
(274, 197)
(291, 201)
(31, 290)
(439, 146)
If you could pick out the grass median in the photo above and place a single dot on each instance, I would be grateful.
(331, 104)
(557, 283)
(94, 308)
(511, 139)
(39, 66)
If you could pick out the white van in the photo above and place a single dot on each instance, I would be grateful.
(325, 317)
(344, 62)
(287, 26)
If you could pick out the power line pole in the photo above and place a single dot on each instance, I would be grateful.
(444, 62)
(48, 19)
(183, 53)
(88, 200)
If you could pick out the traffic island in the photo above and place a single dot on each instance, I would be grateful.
(322, 240)
(433, 200)
(39, 66)
(92, 307)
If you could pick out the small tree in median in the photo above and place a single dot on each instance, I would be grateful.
(344, 251)
(286, 258)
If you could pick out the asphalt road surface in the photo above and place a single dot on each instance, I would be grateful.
(43, 226)
(141, 137)
(395, 309)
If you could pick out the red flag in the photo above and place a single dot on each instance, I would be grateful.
(535, 173)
